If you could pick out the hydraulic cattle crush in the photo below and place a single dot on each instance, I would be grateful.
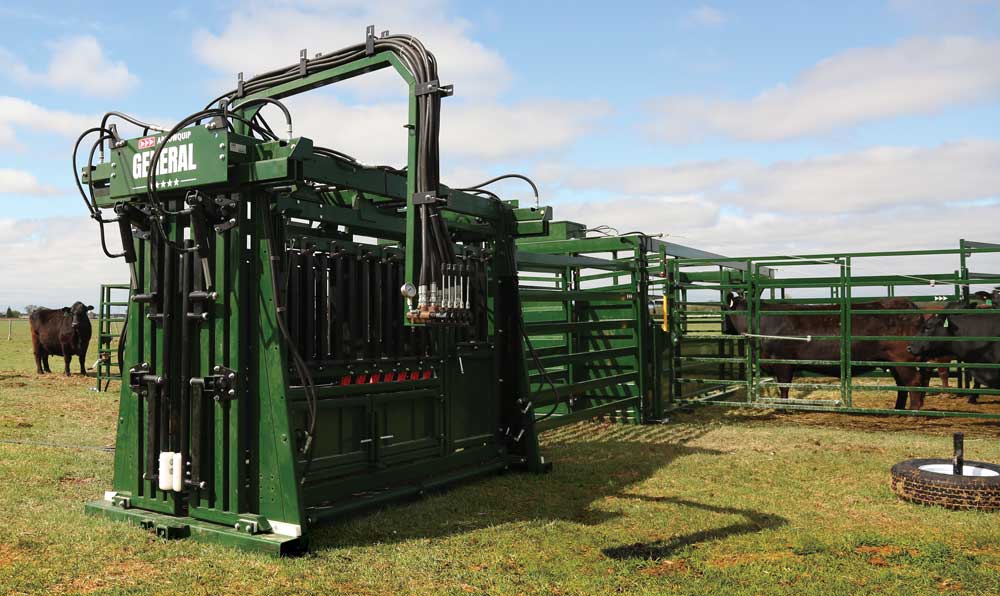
(307, 335)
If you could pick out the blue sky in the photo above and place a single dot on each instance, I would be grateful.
(734, 126)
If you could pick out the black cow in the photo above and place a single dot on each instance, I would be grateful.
(985, 324)
(61, 332)
(810, 324)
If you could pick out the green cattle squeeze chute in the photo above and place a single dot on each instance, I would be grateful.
(306, 335)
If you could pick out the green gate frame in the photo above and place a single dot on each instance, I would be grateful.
(735, 361)
(107, 354)
(592, 303)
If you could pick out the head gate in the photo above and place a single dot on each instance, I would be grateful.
(306, 334)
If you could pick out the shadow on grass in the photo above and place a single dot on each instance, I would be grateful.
(660, 549)
(591, 463)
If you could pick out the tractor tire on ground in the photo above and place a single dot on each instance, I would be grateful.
(913, 481)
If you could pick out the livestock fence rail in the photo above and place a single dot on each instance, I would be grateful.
(726, 347)
(111, 313)
(592, 300)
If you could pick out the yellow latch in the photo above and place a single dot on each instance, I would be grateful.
(666, 326)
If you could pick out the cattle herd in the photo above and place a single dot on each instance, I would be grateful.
(67, 331)
(781, 337)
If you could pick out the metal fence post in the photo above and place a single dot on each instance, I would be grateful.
(846, 333)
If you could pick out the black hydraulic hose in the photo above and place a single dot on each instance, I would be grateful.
(534, 355)
(263, 124)
(266, 100)
(445, 247)
(121, 349)
(334, 153)
(422, 65)
(541, 368)
(168, 415)
(145, 126)
(534, 188)
(76, 174)
(95, 213)
(417, 59)
(297, 361)
(184, 407)
(131, 120)
(151, 192)
(252, 126)
(424, 247)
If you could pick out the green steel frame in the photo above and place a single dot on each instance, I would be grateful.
(710, 367)
(211, 382)
(108, 313)
(592, 303)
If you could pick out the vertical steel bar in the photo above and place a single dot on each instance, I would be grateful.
(184, 376)
(847, 332)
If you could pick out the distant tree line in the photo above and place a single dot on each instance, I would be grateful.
(11, 313)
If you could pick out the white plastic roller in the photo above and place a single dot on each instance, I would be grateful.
(165, 473)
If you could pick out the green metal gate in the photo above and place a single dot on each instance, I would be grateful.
(111, 315)
(713, 363)
(594, 323)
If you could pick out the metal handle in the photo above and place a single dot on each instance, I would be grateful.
(363, 441)
(386, 437)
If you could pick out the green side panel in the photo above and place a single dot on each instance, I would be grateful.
(193, 158)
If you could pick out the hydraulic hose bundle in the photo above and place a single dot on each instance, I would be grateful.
(438, 267)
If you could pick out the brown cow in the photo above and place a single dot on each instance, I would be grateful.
(976, 300)
(61, 332)
(803, 326)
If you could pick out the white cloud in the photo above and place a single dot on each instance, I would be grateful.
(700, 224)
(16, 112)
(77, 64)
(705, 16)
(915, 76)
(961, 15)
(861, 181)
(327, 26)
(493, 131)
(22, 183)
(374, 133)
(677, 179)
(61, 256)
(476, 124)
(878, 177)
(646, 214)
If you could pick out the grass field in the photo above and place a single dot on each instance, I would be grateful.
(721, 501)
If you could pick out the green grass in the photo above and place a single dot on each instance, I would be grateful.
(722, 502)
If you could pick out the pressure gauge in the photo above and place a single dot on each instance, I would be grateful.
(408, 290)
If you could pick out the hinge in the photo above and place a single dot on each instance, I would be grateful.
(141, 376)
(221, 385)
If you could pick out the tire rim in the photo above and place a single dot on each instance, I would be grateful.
(948, 469)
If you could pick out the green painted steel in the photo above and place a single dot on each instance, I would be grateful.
(593, 312)
(273, 234)
(707, 366)
(110, 321)
(585, 311)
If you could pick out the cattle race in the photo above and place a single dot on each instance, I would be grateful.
(332, 321)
